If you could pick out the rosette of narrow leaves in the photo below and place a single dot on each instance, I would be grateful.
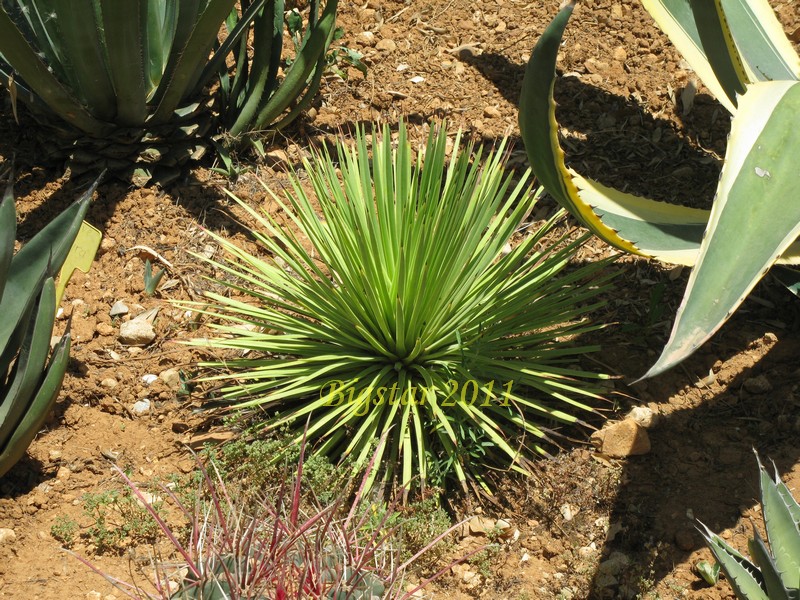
(132, 81)
(398, 308)
(742, 54)
(29, 382)
(773, 571)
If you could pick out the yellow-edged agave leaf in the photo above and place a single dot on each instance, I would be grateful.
(665, 231)
(719, 47)
(638, 225)
(745, 32)
(767, 53)
(676, 19)
(755, 217)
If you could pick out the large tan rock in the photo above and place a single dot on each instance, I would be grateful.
(621, 439)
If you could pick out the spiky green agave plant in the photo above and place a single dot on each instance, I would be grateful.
(29, 383)
(132, 82)
(397, 308)
(773, 573)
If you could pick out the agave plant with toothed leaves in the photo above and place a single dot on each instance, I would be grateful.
(29, 383)
(772, 572)
(399, 309)
(128, 85)
(740, 51)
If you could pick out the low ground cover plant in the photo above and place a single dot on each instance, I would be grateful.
(414, 302)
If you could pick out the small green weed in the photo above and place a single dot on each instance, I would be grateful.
(251, 464)
(64, 530)
(118, 519)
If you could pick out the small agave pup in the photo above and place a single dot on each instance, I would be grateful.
(773, 572)
(408, 315)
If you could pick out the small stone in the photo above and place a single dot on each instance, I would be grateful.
(172, 378)
(63, 473)
(616, 12)
(105, 329)
(567, 512)
(278, 159)
(491, 112)
(106, 245)
(93, 595)
(54, 455)
(502, 525)
(149, 378)
(109, 382)
(141, 407)
(685, 540)
(366, 37)
(622, 439)
(119, 308)
(199, 441)
(620, 54)
(386, 45)
(7, 536)
(480, 525)
(137, 332)
(180, 426)
(614, 564)
(758, 385)
(471, 577)
(644, 416)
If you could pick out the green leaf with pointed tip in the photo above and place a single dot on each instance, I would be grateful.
(26, 62)
(8, 229)
(782, 530)
(298, 75)
(184, 69)
(79, 36)
(776, 590)
(124, 37)
(744, 577)
(638, 225)
(40, 407)
(29, 366)
(40, 258)
(754, 218)
(261, 79)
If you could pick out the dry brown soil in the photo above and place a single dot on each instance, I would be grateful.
(589, 528)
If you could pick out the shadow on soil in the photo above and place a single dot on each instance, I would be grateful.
(702, 466)
(618, 142)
